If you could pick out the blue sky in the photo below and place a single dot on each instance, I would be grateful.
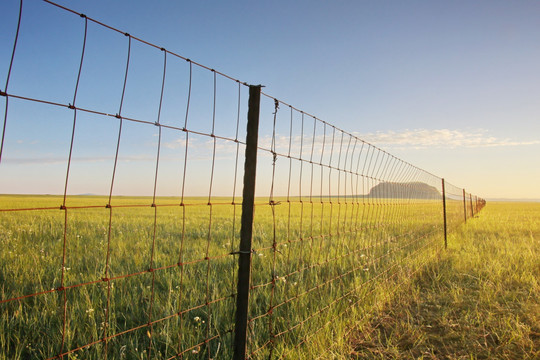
(450, 86)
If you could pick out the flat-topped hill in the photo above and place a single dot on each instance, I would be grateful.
(404, 190)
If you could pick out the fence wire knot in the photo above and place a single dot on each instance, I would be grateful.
(242, 252)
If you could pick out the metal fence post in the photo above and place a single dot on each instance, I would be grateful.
(444, 213)
(246, 230)
(464, 205)
(472, 209)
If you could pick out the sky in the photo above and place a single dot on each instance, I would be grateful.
(452, 87)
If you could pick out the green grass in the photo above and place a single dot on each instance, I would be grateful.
(31, 262)
(481, 300)
(327, 265)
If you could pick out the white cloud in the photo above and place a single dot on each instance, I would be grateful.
(424, 138)
(176, 144)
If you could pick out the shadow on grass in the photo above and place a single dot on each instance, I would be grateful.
(451, 311)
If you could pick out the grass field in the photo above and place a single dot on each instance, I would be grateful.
(158, 281)
(481, 300)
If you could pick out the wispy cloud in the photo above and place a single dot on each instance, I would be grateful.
(439, 138)
(176, 144)
(306, 147)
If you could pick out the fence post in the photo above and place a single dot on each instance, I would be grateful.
(464, 205)
(444, 213)
(246, 230)
(472, 209)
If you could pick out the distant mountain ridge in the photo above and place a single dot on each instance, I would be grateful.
(404, 190)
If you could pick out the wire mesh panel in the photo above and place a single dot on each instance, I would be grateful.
(133, 258)
(455, 206)
(334, 215)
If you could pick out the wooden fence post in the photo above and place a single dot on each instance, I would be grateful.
(464, 205)
(246, 230)
(444, 213)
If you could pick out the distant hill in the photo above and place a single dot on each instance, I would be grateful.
(409, 190)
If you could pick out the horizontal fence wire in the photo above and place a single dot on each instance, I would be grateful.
(136, 254)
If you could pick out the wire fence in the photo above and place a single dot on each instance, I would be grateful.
(195, 216)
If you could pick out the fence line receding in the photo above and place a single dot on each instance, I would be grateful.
(161, 194)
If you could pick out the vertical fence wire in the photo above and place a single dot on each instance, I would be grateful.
(8, 76)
